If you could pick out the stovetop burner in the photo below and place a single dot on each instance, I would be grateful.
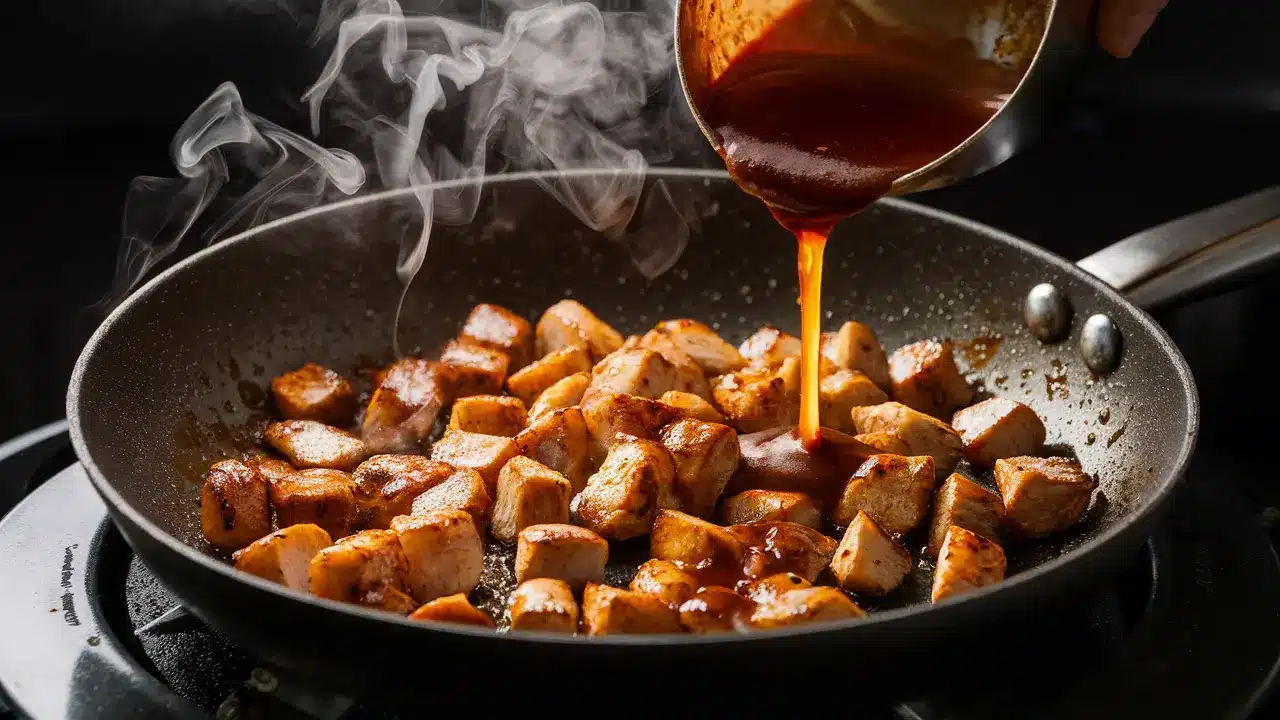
(1190, 629)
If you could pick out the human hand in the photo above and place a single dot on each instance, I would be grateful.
(1122, 23)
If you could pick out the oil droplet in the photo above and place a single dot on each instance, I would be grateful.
(1055, 383)
(1116, 436)
(1091, 439)
(1105, 416)
(1027, 372)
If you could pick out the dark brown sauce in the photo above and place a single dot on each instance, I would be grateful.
(777, 459)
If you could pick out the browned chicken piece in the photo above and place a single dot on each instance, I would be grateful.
(358, 568)
(444, 552)
(233, 505)
(855, 347)
(284, 556)
(922, 434)
(809, 605)
(868, 560)
(925, 377)
(456, 609)
(559, 440)
(619, 417)
(486, 454)
(840, 392)
(778, 547)
(529, 493)
(687, 375)
(702, 345)
(886, 442)
(463, 490)
(564, 552)
(632, 371)
(387, 485)
(770, 505)
(690, 405)
(314, 392)
(769, 346)
(892, 489)
(664, 580)
(759, 398)
(567, 392)
(530, 381)
(309, 444)
(271, 468)
(622, 497)
(391, 600)
(544, 605)
(716, 609)
(766, 589)
(967, 562)
(494, 326)
(569, 323)
(404, 406)
(489, 415)
(694, 542)
(961, 501)
(705, 456)
(1043, 495)
(998, 428)
(472, 369)
(316, 496)
(609, 611)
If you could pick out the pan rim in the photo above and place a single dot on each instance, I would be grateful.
(953, 606)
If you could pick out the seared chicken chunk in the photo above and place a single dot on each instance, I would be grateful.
(233, 505)
(271, 468)
(705, 456)
(316, 496)
(769, 346)
(618, 417)
(496, 327)
(925, 377)
(961, 501)
(565, 393)
(767, 588)
(715, 609)
(314, 392)
(404, 406)
(544, 605)
(702, 345)
(757, 398)
(967, 562)
(609, 611)
(868, 560)
(530, 382)
(886, 442)
(463, 490)
(780, 546)
(455, 609)
(622, 497)
(892, 489)
(529, 493)
(444, 553)
(486, 454)
(1043, 495)
(387, 485)
(488, 415)
(840, 392)
(855, 347)
(309, 444)
(756, 505)
(473, 369)
(795, 607)
(694, 542)
(664, 580)
(691, 405)
(570, 324)
(358, 568)
(921, 433)
(633, 371)
(559, 440)
(564, 552)
(998, 428)
(390, 599)
(685, 375)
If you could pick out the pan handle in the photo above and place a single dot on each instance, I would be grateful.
(1194, 254)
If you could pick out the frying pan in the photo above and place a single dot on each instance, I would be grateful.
(174, 380)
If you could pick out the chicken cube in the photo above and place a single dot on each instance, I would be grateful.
(868, 560)
(272, 469)
(496, 327)
(463, 490)
(840, 392)
(564, 552)
(565, 393)
(925, 377)
(444, 552)
(702, 345)
(686, 375)
(886, 442)
(715, 609)
(569, 323)
(357, 568)
(766, 589)
(309, 444)
(620, 500)
(390, 599)
(387, 485)
(544, 605)
(892, 489)
(1043, 495)
(772, 505)
(664, 580)
(755, 399)
(690, 405)
(963, 502)
(855, 347)
(530, 381)
(314, 392)
(632, 371)
(769, 346)
(609, 611)
(559, 440)
(618, 417)
(488, 415)
(472, 369)
(404, 406)
(780, 546)
(922, 434)
(318, 497)
(705, 456)
(233, 505)
(808, 605)
(967, 562)
(486, 454)
(456, 609)
(529, 493)
(998, 428)
(694, 542)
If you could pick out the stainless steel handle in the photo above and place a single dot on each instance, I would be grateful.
(1193, 253)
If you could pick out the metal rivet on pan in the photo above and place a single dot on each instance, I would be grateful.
(1047, 313)
(1100, 344)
